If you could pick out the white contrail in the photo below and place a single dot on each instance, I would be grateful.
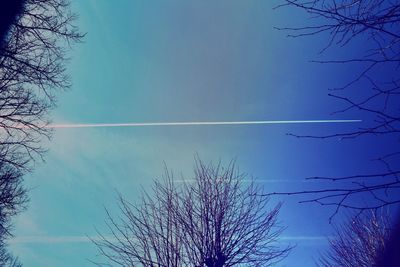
(191, 123)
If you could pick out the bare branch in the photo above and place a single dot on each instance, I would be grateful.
(213, 222)
(358, 242)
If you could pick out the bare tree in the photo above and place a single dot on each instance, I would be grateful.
(359, 242)
(373, 25)
(215, 220)
(374, 92)
(146, 234)
(32, 60)
(228, 223)
(13, 197)
(35, 36)
(6, 259)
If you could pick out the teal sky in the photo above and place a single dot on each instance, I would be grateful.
(160, 61)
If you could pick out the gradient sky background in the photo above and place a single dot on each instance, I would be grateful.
(156, 61)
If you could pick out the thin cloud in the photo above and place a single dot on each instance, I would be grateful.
(305, 238)
(50, 239)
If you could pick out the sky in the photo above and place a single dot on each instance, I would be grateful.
(185, 61)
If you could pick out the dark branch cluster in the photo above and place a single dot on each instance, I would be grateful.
(32, 68)
(12, 196)
(34, 40)
(346, 20)
(375, 24)
(213, 221)
(7, 259)
(12, 200)
(358, 242)
(357, 192)
(374, 91)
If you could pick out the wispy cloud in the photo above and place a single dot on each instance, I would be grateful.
(62, 239)
(50, 239)
(305, 238)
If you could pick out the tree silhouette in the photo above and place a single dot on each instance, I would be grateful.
(9, 10)
(374, 26)
(359, 242)
(8, 260)
(32, 60)
(374, 91)
(215, 220)
(12, 197)
(35, 36)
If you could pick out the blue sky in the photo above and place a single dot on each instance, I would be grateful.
(160, 61)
